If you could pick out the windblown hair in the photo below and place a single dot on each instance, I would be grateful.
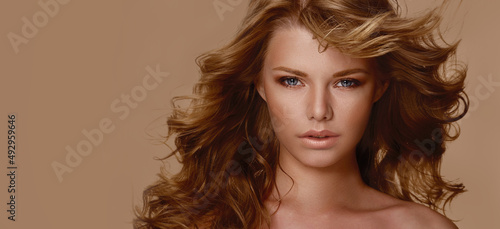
(227, 145)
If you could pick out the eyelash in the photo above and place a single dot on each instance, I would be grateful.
(283, 80)
(354, 82)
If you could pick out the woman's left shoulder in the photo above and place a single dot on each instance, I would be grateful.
(397, 213)
(417, 216)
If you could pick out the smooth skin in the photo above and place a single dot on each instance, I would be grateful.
(306, 89)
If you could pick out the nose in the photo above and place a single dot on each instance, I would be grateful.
(320, 104)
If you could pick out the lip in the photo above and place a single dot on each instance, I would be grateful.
(312, 133)
(310, 139)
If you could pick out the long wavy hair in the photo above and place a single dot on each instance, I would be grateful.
(228, 148)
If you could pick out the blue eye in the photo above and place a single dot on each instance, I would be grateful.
(290, 81)
(348, 83)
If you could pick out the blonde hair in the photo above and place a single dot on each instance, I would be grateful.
(227, 146)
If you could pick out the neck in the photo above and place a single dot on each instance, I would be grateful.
(317, 190)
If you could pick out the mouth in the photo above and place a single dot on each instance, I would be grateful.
(319, 140)
(318, 134)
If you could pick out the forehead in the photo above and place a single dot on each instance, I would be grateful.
(296, 47)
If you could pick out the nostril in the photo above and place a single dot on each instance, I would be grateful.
(319, 106)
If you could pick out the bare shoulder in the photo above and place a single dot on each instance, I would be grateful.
(413, 215)
(392, 212)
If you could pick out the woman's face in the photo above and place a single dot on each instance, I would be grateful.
(319, 103)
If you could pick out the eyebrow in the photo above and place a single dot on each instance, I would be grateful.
(337, 74)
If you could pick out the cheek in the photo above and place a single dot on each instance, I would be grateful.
(283, 112)
(354, 113)
(285, 106)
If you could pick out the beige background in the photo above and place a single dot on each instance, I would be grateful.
(91, 53)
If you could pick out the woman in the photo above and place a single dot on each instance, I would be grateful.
(319, 114)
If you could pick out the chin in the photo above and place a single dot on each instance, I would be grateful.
(320, 159)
